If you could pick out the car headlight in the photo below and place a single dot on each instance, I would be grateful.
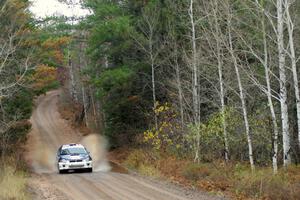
(63, 160)
(88, 158)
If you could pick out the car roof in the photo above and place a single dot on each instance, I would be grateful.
(72, 145)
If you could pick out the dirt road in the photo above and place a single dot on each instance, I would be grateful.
(49, 131)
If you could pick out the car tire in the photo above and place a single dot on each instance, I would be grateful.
(62, 171)
(90, 170)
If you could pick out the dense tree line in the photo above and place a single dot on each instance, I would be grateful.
(202, 79)
(15, 62)
(31, 51)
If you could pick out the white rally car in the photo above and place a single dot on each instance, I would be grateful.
(72, 157)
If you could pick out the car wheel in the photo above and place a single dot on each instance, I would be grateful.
(62, 171)
(90, 170)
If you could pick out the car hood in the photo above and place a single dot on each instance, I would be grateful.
(74, 157)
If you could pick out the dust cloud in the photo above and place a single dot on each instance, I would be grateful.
(97, 146)
(43, 157)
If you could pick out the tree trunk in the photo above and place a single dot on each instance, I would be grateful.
(153, 87)
(179, 86)
(84, 100)
(94, 108)
(283, 82)
(73, 86)
(290, 28)
(270, 101)
(242, 96)
(85, 106)
(152, 63)
(196, 105)
(221, 82)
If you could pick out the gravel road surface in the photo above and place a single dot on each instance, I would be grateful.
(49, 131)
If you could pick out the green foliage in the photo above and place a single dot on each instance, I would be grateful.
(211, 134)
(51, 86)
(138, 34)
(113, 80)
(117, 77)
(111, 35)
(113, 88)
(16, 110)
(19, 105)
(212, 137)
(20, 53)
(16, 135)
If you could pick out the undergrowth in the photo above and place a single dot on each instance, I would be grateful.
(140, 161)
(233, 179)
(13, 184)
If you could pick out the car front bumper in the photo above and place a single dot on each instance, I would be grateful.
(75, 165)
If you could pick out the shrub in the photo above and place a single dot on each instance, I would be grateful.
(195, 171)
(143, 162)
(13, 185)
(135, 159)
(263, 184)
(149, 170)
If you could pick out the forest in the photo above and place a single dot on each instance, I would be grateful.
(195, 80)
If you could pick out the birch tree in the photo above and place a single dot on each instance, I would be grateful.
(15, 62)
(72, 89)
(240, 86)
(148, 26)
(218, 37)
(270, 99)
(83, 64)
(292, 54)
(283, 83)
(265, 88)
(195, 84)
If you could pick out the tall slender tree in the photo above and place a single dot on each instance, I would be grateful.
(283, 84)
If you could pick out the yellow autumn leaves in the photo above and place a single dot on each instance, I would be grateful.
(162, 137)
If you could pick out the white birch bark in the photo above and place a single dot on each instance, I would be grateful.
(153, 84)
(268, 90)
(73, 85)
(196, 105)
(221, 81)
(150, 20)
(292, 53)
(179, 88)
(270, 101)
(84, 100)
(283, 81)
(241, 95)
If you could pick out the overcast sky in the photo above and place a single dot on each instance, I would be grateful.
(43, 8)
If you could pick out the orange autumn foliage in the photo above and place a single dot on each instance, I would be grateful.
(56, 43)
(54, 48)
(43, 76)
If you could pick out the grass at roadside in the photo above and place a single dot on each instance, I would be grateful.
(233, 179)
(13, 184)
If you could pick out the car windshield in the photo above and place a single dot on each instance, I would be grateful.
(71, 151)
